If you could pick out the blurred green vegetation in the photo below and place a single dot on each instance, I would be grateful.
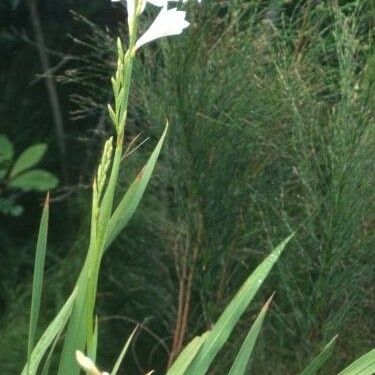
(272, 131)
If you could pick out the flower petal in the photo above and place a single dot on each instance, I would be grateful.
(168, 22)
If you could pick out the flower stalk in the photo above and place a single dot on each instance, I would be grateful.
(106, 222)
(81, 326)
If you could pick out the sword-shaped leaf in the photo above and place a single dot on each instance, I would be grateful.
(49, 335)
(321, 359)
(37, 287)
(132, 197)
(225, 324)
(241, 362)
(364, 365)
(185, 358)
(120, 358)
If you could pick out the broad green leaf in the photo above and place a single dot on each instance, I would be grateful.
(185, 358)
(365, 365)
(6, 149)
(228, 319)
(29, 158)
(41, 247)
(3, 173)
(132, 197)
(49, 335)
(321, 359)
(36, 179)
(241, 362)
(120, 358)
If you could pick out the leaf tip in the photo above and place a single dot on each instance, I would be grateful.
(268, 302)
(47, 200)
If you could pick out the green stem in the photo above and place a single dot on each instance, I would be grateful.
(80, 329)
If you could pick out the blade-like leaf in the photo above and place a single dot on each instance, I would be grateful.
(365, 365)
(321, 359)
(6, 149)
(49, 335)
(36, 179)
(92, 346)
(29, 158)
(41, 247)
(120, 358)
(228, 319)
(48, 361)
(241, 362)
(185, 358)
(132, 197)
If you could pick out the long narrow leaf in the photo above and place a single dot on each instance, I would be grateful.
(132, 197)
(120, 358)
(92, 346)
(48, 361)
(241, 362)
(50, 335)
(225, 324)
(365, 365)
(41, 247)
(185, 358)
(321, 359)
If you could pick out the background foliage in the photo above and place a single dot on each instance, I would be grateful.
(270, 105)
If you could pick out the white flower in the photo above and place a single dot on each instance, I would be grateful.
(168, 22)
(158, 3)
(87, 364)
(130, 5)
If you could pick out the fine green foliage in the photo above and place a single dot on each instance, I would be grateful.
(275, 135)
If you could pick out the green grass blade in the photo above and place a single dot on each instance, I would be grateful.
(241, 362)
(225, 324)
(131, 199)
(78, 329)
(321, 359)
(50, 335)
(186, 357)
(37, 287)
(92, 347)
(120, 358)
(48, 361)
(364, 365)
